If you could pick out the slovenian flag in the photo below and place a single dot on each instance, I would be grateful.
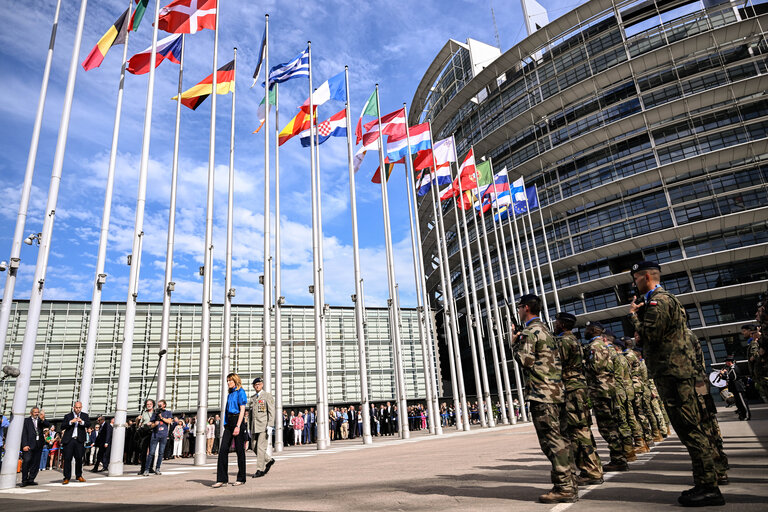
(167, 48)
(334, 126)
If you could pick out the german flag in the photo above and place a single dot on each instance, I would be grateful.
(225, 83)
(115, 35)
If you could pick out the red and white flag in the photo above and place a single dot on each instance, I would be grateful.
(188, 16)
(391, 124)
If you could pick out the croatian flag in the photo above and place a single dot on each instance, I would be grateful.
(167, 48)
(397, 147)
(334, 126)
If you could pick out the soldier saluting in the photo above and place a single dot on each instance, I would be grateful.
(659, 320)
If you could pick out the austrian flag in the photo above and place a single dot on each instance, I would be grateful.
(188, 16)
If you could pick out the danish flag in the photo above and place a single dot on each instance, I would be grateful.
(188, 16)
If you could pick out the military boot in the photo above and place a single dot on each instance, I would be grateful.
(657, 437)
(629, 451)
(615, 466)
(559, 496)
(701, 496)
(642, 447)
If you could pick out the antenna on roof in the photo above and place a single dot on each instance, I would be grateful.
(495, 28)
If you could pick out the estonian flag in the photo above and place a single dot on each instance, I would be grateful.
(115, 35)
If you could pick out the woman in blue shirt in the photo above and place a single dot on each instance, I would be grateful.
(233, 429)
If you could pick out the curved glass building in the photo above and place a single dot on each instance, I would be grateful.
(644, 126)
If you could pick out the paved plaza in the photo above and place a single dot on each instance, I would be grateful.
(498, 469)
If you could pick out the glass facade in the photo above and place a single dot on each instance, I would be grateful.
(57, 368)
(644, 128)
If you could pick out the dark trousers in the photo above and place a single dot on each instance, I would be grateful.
(102, 457)
(77, 450)
(223, 462)
(159, 443)
(741, 405)
(30, 464)
(143, 446)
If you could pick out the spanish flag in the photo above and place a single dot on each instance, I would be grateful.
(115, 35)
(294, 127)
(225, 83)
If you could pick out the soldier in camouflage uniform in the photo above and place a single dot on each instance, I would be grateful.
(758, 371)
(623, 386)
(624, 369)
(649, 398)
(539, 355)
(587, 467)
(660, 321)
(638, 386)
(658, 409)
(708, 411)
(598, 367)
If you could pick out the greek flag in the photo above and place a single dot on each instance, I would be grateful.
(295, 68)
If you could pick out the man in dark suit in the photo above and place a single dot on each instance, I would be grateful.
(103, 440)
(32, 441)
(352, 413)
(73, 441)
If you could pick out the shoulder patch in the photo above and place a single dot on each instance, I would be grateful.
(652, 303)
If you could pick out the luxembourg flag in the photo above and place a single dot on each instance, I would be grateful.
(334, 126)
(397, 147)
(167, 48)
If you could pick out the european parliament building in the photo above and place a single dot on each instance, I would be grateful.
(644, 126)
(57, 369)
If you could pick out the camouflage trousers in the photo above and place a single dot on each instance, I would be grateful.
(549, 420)
(711, 428)
(608, 427)
(628, 427)
(680, 399)
(586, 461)
(661, 415)
(651, 414)
(642, 420)
(761, 385)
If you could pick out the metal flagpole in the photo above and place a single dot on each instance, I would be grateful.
(279, 299)
(202, 383)
(492, 333)
(121, 411)
(485, 404)
(457, 374)
(229, 292)
(522, 283)
(21, 390)
(100, 277)
(365, 405)
(542, 293)
(402, 403)
(437, 213)
(326, 310)
(267, 300)
(162, 375)
(534, 285)
(26, 189)
(549, 254)
(501, 244)
(322, 414)
(418, 278)
(427, 314)
(513, 221)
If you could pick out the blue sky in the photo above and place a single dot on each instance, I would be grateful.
(390, 43)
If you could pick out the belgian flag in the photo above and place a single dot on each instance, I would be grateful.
(225, 83)
(115, 35)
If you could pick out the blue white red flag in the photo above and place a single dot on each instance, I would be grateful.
(334, 126)
(332, 89)
(167, 48)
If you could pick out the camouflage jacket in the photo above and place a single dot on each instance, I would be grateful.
(623, 377)
(661, 325)
(702, 382)
(598, 366)
(635, 371)
(573, 362)
(539, 354)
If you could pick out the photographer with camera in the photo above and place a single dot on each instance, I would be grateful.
(161, 419)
